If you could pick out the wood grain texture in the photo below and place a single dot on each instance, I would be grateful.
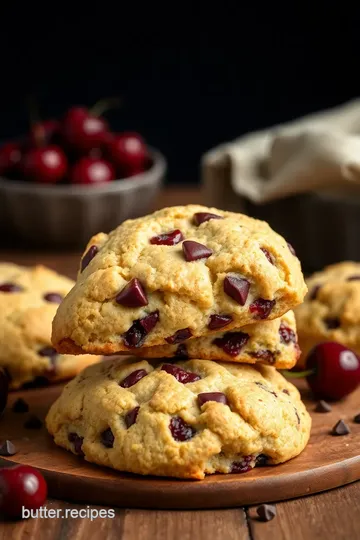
(332, 515)
(327, 462)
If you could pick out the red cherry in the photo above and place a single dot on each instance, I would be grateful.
(90, 170)
(10, 157)
(45, 165)
(4, 388)
(335, 371)
(43, 132)
(83, 131)
(21, 486)
(129, 153)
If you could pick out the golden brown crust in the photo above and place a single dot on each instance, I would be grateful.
(185, 294)
(263, 415)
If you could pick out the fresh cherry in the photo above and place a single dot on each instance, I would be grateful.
(4, 388)
(129, 153)
(90, 170)
(21, 486)
(336, 370)
(82, 131)
(46, 165)
(10, 157)
(331, 370)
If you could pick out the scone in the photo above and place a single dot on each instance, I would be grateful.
(331, 311)
(272, 343)
(29, 298)
(184, 419)
(174, 271)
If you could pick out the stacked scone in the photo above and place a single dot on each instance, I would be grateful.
(29, 298)
(210, 293)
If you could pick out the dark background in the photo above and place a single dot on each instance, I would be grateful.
(188, 80)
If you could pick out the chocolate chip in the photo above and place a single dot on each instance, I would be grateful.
(357, 419)
(33, 422)
(266, 388)
(286, 391)
(232, 342)
(180, 374)
(7, 448)
(287, 335)
(132, 295)
(265, 355)
(314, 292)
(268, 255)
(10, 288)
(88, 257)
(340, 428)
(237, 288)
(131, 416)
(291, 249)
(140, 328)
(167, 239)
(332, 323)
(54, 298)
(181, 352)
(193, 251)
(180, 430)
(78, 442)
(179, 336)
(266, 512)
(212, 396)
(261, 460)
(219, 321)
(107, 438)
(322, 407)
(133, 378)
(20, 406)
(201, 217)
(353, 278)
(261, 308)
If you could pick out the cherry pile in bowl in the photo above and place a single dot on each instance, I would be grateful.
(78, 149)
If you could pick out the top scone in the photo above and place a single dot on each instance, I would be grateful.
(331, 311)
(180, 269)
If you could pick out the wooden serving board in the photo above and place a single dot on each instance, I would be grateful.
(326, 463)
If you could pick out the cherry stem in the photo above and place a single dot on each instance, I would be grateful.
(297, 374)
(103, 105)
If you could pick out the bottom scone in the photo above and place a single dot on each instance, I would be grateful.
(184, 419)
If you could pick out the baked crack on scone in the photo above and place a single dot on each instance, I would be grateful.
(184, 419)
(331, 310)
(272, 343)
(29, 298)
(180, 270)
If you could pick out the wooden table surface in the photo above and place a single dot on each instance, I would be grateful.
(331, 515)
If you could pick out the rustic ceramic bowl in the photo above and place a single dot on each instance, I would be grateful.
(68, 215)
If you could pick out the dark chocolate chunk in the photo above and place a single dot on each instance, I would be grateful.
(201, 217)
(340, 428)
(181, 352)
(266, 512)
(212, 396)
(219, 321)
(54, 298)
(237, 288)
(322, 406)
(20, 406)
(107, 438)
(179, 336)
(88, 257)
(268, 255)
(7, 448)
(332, 323)
(33, 422)
(132, 295)
(193, 251)
(167, 239)
(131, 416)
(357, 419)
